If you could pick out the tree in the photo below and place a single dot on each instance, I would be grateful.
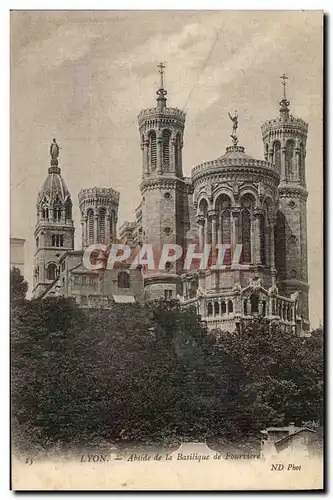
(18, 285)
(153, 373)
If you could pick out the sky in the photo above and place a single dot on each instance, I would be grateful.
(83, 77)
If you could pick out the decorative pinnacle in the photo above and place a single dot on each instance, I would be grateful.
(161, 93)
(284, 103)
(161, 71)
(284, 82)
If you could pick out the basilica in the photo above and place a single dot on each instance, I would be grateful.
(231, 200)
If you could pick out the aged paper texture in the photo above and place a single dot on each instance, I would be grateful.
(166, 250)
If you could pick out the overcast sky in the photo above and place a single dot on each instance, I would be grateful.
(83, 77)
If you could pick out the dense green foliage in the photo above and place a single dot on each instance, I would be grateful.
(153, 374)
(18, 285)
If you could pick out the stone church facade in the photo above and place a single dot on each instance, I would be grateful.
(233, 200)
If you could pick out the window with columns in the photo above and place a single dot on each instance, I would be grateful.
(247, 205)
(101, 225)
(57, 206)
(90, 221)
(290, 146)
(57, 240)
(267, 234)
(178, 153)
(152, 156)
(166, 137)
(223, 205)
(68, 209)
(277, 154)
(223, 224)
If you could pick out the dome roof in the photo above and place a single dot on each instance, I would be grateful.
(234, 158)
(54, 185)
(235, 153)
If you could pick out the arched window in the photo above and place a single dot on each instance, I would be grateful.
(152, 150)
(68, 210)
(290, 146)
(51, 272)
(209, 309)
(230, 306)
(277, 154)
(203, 207)
(225, 226)
(57, 209)
(90, 215)
(223, 307)
(254, 303)
(178, 157)
(247, 204)
(245, 306)
(45, 213)
(166, 135)
(123, 280)
(246, 234)
(101, 225)
(216, 308)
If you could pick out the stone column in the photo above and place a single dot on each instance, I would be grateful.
(201, 222)
(272, 243)
(235, 228)
(270, 155)
(206, 230)
(108, 229)
(297, 163)
(82, 233)
(159, 152)
(283, 162)
(219, 229)
(260, 307)
(144, 147)
(85, 231)
(173, 164)
(214, 233)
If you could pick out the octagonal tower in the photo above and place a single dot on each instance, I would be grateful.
(54, 230)
(285, 146)
(99, 215)
(163, 188)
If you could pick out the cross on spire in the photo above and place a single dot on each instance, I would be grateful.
(284, 82)
(161, 93)
(284, 103)
(161, 67)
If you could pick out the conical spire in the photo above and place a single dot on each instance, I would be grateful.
(161, 93)
(284, 103)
